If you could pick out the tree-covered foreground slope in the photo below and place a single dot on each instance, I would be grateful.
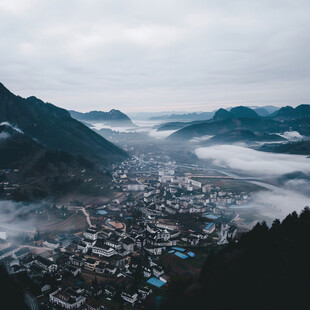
(268, 268)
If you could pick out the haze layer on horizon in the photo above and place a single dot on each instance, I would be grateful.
(176, 55)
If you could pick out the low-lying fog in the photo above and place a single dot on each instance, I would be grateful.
(148, 127)
(239, 160)
(17, 212)
(247, 160)
(292, 135)
(277, 201)
(279, 198)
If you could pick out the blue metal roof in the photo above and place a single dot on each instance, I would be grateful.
(178, 249)
(210, 216)
(102, 212)
(209, 226)
(154, 281)
(181, 255)
(191, 254)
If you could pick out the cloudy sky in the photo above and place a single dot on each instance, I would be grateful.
(156, 55)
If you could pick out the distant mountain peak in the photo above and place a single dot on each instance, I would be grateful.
(236, 112)
(34, 98)
(243, 112)
(221, 114)
(288, 112)
(112, 118)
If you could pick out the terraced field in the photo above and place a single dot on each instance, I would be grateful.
(75, 222)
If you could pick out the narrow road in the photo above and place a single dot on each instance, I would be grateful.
(87, 217)
(84, 212)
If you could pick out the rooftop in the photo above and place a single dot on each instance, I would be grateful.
(156, 282)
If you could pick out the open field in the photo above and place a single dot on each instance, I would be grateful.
(183, 171)
(230, 184)
(75, 222)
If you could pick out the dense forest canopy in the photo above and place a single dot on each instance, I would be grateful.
(268, 268)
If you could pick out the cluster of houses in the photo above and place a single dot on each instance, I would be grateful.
(160, 212)
(120, 254)
(152, 177)
(99, 252)
(159, 193)
(105, 250)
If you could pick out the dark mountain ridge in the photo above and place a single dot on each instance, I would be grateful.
(296, 147)
(228, 124)
(288, 112)
(203, 116)
(17, 151)
(35, 172)
(241, 135)
(237, 112)
(55, 129)
(195, 116)
(176, 125)
(243, 118)
(178, 121)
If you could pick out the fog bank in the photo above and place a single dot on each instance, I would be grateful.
(253, 162)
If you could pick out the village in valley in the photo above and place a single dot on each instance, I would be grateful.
(161, 221)
(154, 155)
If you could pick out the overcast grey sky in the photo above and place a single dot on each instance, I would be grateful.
(156, 55)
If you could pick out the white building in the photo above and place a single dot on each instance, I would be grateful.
(194, 183)
(135, 187)
(131, 298)
(102, 249)
(51, 244)
(91, 233)
(67, 298)
(45, 264)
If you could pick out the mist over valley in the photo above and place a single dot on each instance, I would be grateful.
(154, 155)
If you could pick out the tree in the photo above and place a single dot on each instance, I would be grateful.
(10, 292)
(267, 269)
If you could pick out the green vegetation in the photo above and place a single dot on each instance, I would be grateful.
(10, 292)
(299, 148)
(242, 135)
